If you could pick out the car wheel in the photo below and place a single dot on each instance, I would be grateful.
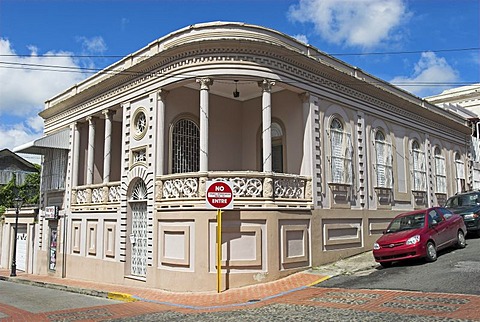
(461, 243)
(386, 264)
(431, 252)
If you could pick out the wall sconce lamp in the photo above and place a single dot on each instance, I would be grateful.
(236, 93)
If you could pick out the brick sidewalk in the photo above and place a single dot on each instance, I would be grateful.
(201, 299)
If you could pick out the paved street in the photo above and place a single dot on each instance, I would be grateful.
(308, 296)
(455, 271)
(305, 304)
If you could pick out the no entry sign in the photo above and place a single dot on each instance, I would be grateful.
(219, 195)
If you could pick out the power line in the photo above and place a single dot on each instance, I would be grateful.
(405, 52)
(59, 68)
(331, 54)
(86, 70)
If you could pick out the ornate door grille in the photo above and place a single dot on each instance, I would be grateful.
(138, 236)
(139, 239)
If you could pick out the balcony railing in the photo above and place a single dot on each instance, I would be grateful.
(96, 196)
(250, 189)
(187, 190)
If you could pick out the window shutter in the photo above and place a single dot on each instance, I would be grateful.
(348, 168)
(419, 170)
(341, 158)
(337, 155)
(440, 174)
(384, 164)
(460, 169)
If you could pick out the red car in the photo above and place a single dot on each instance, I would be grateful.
(419, 234)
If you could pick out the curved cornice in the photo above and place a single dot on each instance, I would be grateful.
(219, 45)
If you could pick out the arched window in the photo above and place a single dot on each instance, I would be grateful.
(383, 161)
(341, 153)
(460, 173)
(185, 146)
(419, 174)
(277, 148)
(440, 172)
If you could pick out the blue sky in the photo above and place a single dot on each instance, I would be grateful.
(423, 46)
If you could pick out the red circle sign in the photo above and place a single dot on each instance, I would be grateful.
(219, 195)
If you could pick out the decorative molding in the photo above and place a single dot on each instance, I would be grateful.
(312, 72)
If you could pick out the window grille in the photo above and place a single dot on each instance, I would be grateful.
(419, 174)
(139, 191)
(54, 169)
(440, 172)
(384, 161)
(140, 123)
(139, 155)
(341, 154)
(460, 173)
(185, 147)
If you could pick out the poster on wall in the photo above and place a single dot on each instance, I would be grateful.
(53, 250)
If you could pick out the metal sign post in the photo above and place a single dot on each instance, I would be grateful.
(219, 196)
(219, 250)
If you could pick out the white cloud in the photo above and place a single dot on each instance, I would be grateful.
(301, 38)
(431, 75)
(26, 82)
(94, 45)
(35, 123)
(16, 134)
(364, 23)
(124, 23)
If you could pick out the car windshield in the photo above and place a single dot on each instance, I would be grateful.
(465, 200)
(406, 223)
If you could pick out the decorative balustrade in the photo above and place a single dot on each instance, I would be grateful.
(96, 195)
(250, 189)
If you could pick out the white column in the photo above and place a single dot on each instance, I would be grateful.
(205, 83)
(107, 148)
(160, 146)
(91, 149)
(306, 168)
(266, 86)
(76, 154)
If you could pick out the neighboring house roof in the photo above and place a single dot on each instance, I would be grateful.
(464, 97)
(11, 163)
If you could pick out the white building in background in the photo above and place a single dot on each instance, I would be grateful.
(465, 101)
(321, 156)
(467, 97)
